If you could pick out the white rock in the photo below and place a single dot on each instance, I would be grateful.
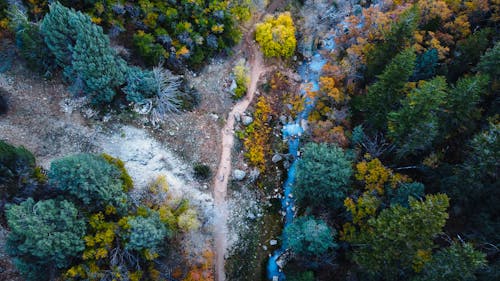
(239, 174)
(273, 242)
(247, 120)
(276, 158)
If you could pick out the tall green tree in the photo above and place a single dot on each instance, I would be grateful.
(45, 236)
(461, 108)
(60, 28)
(415, 125)
(323, 176)
(399, 240)
(93, 61)
(384, 95)
(89, 178)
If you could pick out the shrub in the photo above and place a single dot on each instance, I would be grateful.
(31, 44)
(90, 179)
(310, 237)
(140, 84)
(152, 53)
(276, 36)
(202, 171)
(17, 166)
(44, 236)
(145, 233)
(242, 79)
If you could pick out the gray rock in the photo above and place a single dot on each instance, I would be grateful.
(283, 119)
(237, 117)
(233, 86)
(276, 158)
(286, 164)
(239, 174)
(264, 248)
(273, 242)
(214, 116)
(247, 120)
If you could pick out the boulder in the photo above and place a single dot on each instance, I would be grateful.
(276, 158)
(273, 242)
(239, 174)
(247, 120)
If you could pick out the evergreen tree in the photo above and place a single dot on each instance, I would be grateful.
(384, 95)
(45, 236)
(399, 241)
(309, 237)
(97, 65)
(89, 178)
(415, 125)
(60, 28)
(323, 176)
(458, 262)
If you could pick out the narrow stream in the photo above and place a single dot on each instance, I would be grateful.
(310, 71)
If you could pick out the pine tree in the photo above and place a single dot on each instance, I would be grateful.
(415, 125)
(97, 65)
(385, 94)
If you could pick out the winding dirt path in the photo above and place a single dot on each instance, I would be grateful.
(224, 169)
(257, 68)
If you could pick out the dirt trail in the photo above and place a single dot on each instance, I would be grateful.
(224, 169)
(257, 68)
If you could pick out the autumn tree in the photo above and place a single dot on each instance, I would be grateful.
(398, 38)
(45, 236)
(323, 176)
(276, 36)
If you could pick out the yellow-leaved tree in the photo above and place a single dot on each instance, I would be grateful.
(276, 36)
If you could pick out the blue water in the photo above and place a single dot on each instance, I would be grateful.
(310, 72)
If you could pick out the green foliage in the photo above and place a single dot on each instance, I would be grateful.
(476, 180)
(323, 176)
(202, 171)
(303, 276)
(415, 125)
(84, 51)
(128, 183)
(399, 37)
(276, 36)
(145, 233)
(462, 105)
(152, 53)
(384, 95)
(44, 234)
(310, 237)
(60, 28)
(96, 64)
(458, 262)
(17, 167)
(31, 44)
(468, 53)
(490, 61)
(404, 192)
(425, 66)
(240, 72)
(90, 179)
(400, 240)
(140, 84)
